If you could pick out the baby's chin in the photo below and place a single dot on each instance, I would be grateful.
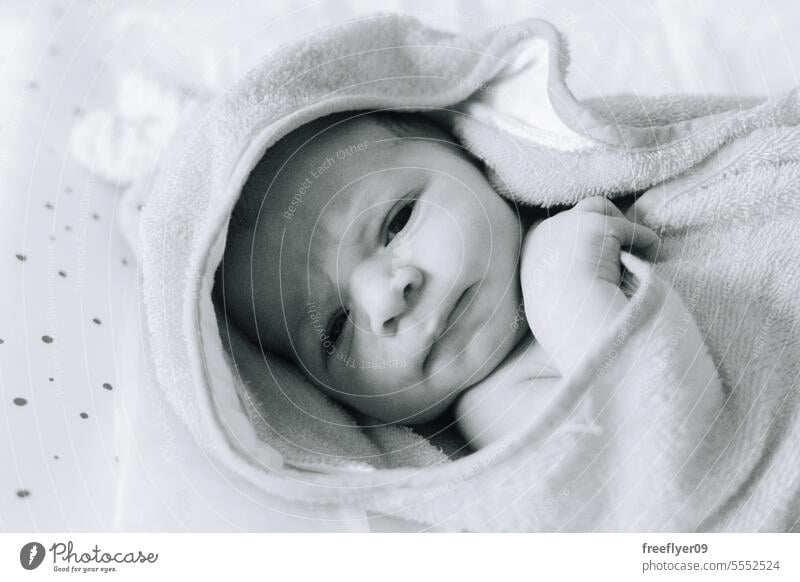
(465, 363)
(435, 395)
(458, 377)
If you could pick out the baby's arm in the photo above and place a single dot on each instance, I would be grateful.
(570, 272)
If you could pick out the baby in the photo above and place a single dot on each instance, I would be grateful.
(369, 249)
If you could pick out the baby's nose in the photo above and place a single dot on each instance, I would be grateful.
(386, 298)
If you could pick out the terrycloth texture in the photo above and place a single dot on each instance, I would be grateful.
(672, 444)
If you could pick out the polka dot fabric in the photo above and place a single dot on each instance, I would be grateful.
(66, 274)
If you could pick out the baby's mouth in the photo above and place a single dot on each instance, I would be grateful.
(446, 325)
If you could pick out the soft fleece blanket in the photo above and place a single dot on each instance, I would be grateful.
(685, 417)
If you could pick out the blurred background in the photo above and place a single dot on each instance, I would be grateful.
(89, 92)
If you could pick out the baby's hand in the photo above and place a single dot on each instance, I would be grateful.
(570, 273)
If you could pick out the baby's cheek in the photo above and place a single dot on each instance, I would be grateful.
(443, 243)
(386, 374)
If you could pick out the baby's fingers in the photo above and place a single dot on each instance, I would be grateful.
(635, 237)
(600, 205)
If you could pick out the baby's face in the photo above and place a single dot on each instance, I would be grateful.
(386, 269)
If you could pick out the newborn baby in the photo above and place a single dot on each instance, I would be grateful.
(369, 249)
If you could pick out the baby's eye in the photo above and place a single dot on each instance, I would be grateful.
(336, 326)
(399, 220)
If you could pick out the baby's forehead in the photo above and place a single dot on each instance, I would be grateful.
(310, 203)
(308, 148)
(335, 215)
(320, 179)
